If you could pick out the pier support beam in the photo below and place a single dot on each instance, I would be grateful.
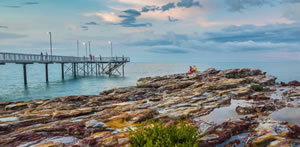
(109, 69)
(87, 69)
(102, 68)
(77, 68)
(96, 66)
(84, 69)
(46, 69)
(123, 69)
(25, 74)
(123, 66)
(74, 70)
(92, 69)
(62, 71)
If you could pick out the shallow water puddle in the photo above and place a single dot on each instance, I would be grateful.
(6, 119)
(290, 115)
(278, 93)
(222, 114)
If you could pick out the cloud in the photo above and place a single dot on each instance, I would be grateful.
(30, 3)
(205, 23)
(292, 12)
(168, 50)
(20, 5)
(188, 3)
(232, 39)
(291, 1)
(91, 23)
(11, 6)
(164, 40)
(168, 6)
(3, 27)
(110, 17)
(150, 8)
(239, 5)
(269, 33)
(129, 19)
(172, 19)
(171, 5)
(85, 28)
(146, 2)
(11, 36)
(149, 42)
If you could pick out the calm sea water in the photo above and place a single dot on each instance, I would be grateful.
(13, 89)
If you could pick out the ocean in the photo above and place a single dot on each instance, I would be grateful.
(13, 89)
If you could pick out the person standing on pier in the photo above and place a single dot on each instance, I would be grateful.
(41, 56)
(91, 57)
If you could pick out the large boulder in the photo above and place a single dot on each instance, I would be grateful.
(240, 73)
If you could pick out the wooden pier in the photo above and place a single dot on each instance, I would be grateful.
(75, 65)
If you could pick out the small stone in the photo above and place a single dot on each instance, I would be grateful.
(94, 124)
(17, 106)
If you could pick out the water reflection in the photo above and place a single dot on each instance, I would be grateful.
(290, 115)
(222, 114)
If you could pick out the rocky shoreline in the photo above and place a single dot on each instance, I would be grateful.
(102, 120)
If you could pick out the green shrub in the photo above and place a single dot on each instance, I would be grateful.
(155, 134)
(257, 88)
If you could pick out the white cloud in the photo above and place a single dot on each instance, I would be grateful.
(292, 12)
(178, 13)
(148, 2)
(106, 16)
(206, 23)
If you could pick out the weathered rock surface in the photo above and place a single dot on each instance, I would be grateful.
(102, 120)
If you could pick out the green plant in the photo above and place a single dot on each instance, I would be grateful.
(257, 88)
(155, 134)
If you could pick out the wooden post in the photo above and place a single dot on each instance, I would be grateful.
(123, 64)
(92, 69)
(25, 74)
(96, 69)
(99, 69)
(62, 71)
(77, 69)
(72, 64)
(87, 68)
(84, 69)
(74, 69)
(109, 69)
(46, 67)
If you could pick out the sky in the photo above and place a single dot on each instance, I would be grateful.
(155, 30)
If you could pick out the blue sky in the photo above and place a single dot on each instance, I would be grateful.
(156, 30)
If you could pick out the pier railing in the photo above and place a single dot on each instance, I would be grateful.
(33, 58)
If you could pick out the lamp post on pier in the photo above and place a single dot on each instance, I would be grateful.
(84, 44)
(50, 35)
(90, 48)
(77, 48)
(111, 50)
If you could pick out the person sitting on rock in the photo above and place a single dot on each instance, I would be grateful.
(195, 68)
(191, 69)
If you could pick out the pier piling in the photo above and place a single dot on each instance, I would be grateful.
(25, 74)
(46, 70)
(62, 72)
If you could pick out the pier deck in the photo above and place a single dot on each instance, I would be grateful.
(75, 65)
